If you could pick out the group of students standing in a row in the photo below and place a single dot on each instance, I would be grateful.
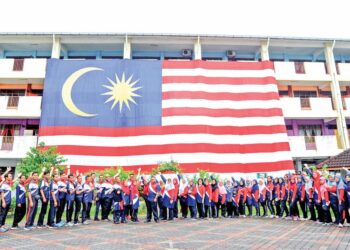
(206, 198)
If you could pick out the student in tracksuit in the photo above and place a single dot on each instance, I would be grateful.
(5, 198)
(270, 191)
(79, 192)
(325, 202)
(262, 196)
(255, 197)
(98, 199)
(62, 192)
(200, 198)
(300, 196)
(207, 199)
(242, 197)
(44, 197)
(168, 198)
(145, 192)
(54, 201)
(118, 206)
(309, 193)
(341, 198)
(20, 210)
(70, 197)
(33, 198)
(191, 201)
(153, 193)
(176, 201)
(276, 196)
(332, 191)
(214, 198)
(135, 200)
(229, 198)
(106, 197)
(183, 194)
(249, 199)
(222, 199)
(87, 198)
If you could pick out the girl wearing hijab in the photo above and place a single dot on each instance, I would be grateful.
(325, 202)
(255, 197)
(222, 199)
(293, 205)
(236, 194)
(332, 191)
(191, 201)
(214, 197)
(300, 196)
(183, 193)
(207, 199)
(229, 198)
(162, 208)
(176, 191)
(242, 197)
(283, 197)
(309, 191)
(249, 200)
(200, 198)
(276, 196)
(169, 197)
(262, 196)
(341, 198)
(270, 191)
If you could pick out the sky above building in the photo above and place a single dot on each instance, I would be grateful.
(289, 18)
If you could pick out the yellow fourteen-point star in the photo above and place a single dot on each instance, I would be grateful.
(121, 91)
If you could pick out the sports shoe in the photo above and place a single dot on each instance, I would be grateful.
(28, 228)
(86, 223)
(340, 225)
(15, 228)
(69, 224)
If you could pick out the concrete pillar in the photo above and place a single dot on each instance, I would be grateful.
(127, 48)
(336, 95)
(197, 50)
(265, 50)
(56, 47)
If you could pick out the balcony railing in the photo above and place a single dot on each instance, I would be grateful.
(7, 143)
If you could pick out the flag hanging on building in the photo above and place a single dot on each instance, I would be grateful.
(218, 116)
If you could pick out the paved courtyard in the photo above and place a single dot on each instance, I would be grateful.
(252, 233)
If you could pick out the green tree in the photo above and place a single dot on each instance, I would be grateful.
(39, 157)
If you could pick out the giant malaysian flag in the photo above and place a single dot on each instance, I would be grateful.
(218, 116)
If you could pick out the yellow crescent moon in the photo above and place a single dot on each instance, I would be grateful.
(67, 91)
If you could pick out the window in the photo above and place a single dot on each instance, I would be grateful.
(12, 92)
(283, 93)
(82, 57)
(8, 132)
(177, 58)
(18, 64)
(212, 58)
(150, 58)
(299, 67)
(305, 94)
(310, 130)
(112, 57)
(289, 127)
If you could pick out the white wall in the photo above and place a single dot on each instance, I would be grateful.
(314, 71)
(32, 68)
(320, 108)
(28, 107)
(21, 146)
(325, 146)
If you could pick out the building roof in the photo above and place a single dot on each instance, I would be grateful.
(338, 161)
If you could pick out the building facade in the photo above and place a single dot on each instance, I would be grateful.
(313, 80)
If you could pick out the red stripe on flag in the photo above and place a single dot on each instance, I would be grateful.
(222, 112)
(210, 167)
(220, 96)
(219, 80)
(174, 148)
(158, 130)
(168, 64)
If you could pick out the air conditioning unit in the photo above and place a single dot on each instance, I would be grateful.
(230, 53)
(187, 53)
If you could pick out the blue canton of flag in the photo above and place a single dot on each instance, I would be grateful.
(102, 93)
